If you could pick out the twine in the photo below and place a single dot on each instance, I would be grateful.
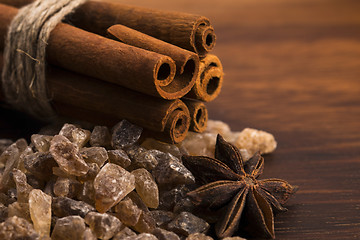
(23, 76)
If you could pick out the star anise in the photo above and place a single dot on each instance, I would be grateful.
(232, 184)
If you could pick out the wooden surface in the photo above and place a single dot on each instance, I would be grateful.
(293, 69)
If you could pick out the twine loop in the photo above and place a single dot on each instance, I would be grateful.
(23, 76)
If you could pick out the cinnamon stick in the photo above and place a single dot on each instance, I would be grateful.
(16, 3)
(208, 85)
(188, 31)
(82, 97)
(198, 115)
(99, 57)
(187, 63)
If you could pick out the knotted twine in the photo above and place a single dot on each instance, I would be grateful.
(23, 76)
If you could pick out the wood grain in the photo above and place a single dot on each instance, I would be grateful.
(293, 68)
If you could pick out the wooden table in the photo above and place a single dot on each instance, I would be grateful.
(292, 69)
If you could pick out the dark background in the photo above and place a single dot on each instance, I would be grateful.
(292, 68)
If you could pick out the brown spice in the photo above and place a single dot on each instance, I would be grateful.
(188, 31)
(208, 85)
(138, 69)
(15, 3)
(108, 104)
(230, 184)
(187, 63)
(198, 115)
(87, 98)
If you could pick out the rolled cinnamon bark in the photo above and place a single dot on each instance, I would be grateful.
(99, 57)
(208, 85)
(134, 68)
(16, 3)
(188, 31)
(82, 97)
(187, 63)
(198, 115)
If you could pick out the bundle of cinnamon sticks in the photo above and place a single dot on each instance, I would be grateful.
(117, 61)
